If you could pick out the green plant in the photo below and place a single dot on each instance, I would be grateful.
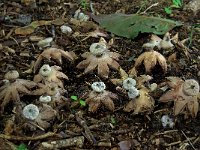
(113, 120)
(175, 4)
(76, 99)
(84, 4)
(22, 147)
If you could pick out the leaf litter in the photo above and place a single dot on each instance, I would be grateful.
(60, 123)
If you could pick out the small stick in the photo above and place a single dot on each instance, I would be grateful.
(144, 12)
(18, 138)
(188, 140)
(87, 133)
(76, 141)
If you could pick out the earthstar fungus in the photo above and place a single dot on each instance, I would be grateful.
(101, 58)
(14, 88)
(99, 96)
(184, 94)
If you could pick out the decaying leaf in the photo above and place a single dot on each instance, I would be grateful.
(31, 27)
(131, 25)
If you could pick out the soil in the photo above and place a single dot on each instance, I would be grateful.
(137, 131)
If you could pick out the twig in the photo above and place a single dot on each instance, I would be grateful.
(188, 140)
(18, 138)
(76, 141)
(144, 12)
(165, 132)
(87, 133)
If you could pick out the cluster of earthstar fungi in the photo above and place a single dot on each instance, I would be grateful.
(49, 85)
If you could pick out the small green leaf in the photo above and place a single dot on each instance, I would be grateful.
(177, 3)
(82, 102)
(22, 147)
(113, 121)
(74, 97)
(168, 10)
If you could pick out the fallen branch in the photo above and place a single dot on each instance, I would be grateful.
(76, 141)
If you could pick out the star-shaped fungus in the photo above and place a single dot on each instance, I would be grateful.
(50, 92)
(184, 94)
(39, 116)
(99, 96)
(156, 41)
(14, 88)
(49, 74)
(134, 88)
(55, 54)
(143, 103)
(101, 58)
(150, 59)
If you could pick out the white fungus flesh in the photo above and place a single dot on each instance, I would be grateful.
(11, 75)
(31, 112)
(129, 83)
(98, 87)
(191, 87)
(97, 49)
(45, 70)
(133, 92)
(167, 121)
(45, 99)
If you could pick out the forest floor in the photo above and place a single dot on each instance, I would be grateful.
(73, 126)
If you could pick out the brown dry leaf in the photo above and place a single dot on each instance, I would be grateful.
(141, 104)
(6, 145)
(9, 126)
(31, 28)
(6, 50)
(96, 34)
(150, 59)
(83, 26)
(28, 2)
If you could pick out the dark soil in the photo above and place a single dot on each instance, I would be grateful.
(142, 131)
